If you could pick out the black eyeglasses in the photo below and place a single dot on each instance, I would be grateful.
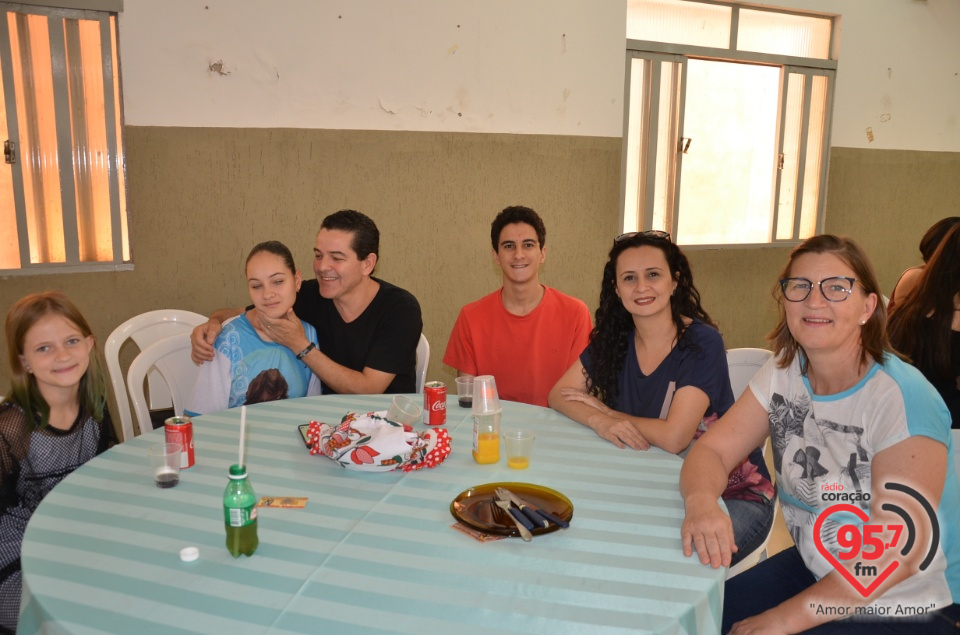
(650, 233)
(835, 289)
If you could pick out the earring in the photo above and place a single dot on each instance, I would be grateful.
(862, 322)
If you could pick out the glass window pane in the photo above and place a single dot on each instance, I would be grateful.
(784, 34)
(9, 247)
(726, 181)
(666, 162)
(814, 159)
(792, 125)
(679, 21)
(89, 137)
(635, 168)
(33, 77)
(119, 160)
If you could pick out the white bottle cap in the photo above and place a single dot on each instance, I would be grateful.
(189, 554)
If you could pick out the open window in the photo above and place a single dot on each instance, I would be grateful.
(726, 126)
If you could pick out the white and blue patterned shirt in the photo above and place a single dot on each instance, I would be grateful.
(240, 358)
(823, 449)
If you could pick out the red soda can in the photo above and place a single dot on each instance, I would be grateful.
(435, 403)
(180, 430)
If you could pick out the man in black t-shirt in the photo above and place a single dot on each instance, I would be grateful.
(368, 329)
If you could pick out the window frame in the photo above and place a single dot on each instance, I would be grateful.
(653, 53)
(91, 10)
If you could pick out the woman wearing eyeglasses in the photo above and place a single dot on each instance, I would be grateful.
(848, 420)
(655, 371)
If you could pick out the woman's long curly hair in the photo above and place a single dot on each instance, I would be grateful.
(23, 315)
(935, 296)
(614, 327)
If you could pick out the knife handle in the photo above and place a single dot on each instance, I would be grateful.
(523, 520)
(553, 519)
(538, 520)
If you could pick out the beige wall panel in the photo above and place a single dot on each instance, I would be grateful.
(735, 289)
(888, 199)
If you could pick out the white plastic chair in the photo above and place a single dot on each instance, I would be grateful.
(743, 364)
(170, 357)
(144, 329)
(423, 361)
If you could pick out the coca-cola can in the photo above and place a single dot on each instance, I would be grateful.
(180, 430)
(435, 403)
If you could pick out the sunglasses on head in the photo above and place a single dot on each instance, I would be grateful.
(650, 233)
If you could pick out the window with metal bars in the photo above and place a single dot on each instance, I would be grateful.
(62, 189)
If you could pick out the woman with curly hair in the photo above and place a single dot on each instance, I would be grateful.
(655, 371)
(925, 323)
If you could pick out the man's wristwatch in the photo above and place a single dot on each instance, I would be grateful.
(306, 351)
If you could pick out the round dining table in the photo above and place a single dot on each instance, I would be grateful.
(369, 552)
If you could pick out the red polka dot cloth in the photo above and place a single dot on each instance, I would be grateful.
(372, 443)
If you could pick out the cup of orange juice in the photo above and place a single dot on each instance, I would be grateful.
(519, 446)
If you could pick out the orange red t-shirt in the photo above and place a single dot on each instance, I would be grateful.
(526, 354)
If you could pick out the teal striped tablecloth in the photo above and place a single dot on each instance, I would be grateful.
(370, 553)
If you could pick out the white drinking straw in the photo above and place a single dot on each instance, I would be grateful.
(243, 429)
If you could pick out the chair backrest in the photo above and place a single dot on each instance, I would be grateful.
(744, 364)
(170, 357)
(423, 361)
(144, 330)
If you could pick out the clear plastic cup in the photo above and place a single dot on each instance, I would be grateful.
(465, 391)
(165, 461)
(404, 410)
(519, 447)
(485, 397)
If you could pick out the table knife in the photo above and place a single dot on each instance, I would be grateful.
(522, 522)
(537, 519)
(524, 505)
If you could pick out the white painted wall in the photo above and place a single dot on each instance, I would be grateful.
(505, 66)
(899, 72)
(530, 66)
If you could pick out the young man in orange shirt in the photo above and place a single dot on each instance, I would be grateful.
(525, 334)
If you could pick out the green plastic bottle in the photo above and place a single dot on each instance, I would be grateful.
(240, 513)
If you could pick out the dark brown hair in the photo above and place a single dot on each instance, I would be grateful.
(517, 214)
(936, 235)
(276, 248)
(933, 298)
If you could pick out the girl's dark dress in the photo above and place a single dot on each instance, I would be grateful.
(31, 464)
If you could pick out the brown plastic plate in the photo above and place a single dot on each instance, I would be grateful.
(476, 508)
